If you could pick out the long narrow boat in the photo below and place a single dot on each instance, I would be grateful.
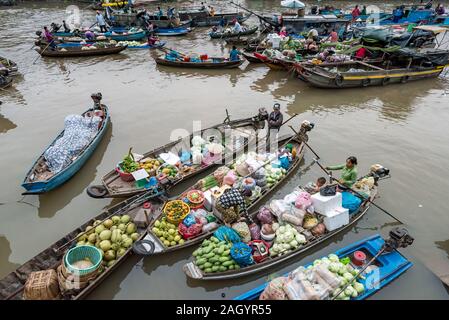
(201, 18)
(160, 247)
(341, 75)
(172, 32)
(210, 63)
(250, 56)
(40, 179)
(122, 36)
(9, 65)
(78, 51)
(12, 286)
(143, 45)
(232, 34)
(114, 186)
(194, 272)
(390, 266)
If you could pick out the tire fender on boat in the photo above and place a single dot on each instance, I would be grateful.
(140, 247)
(338, 80)
(97, 191)
(385, 81)
(366, 82)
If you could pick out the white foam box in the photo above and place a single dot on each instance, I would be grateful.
(209, 200)
(336, 218)
(324, 205)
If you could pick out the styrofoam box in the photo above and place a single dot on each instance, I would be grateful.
(324, 205)
(336, 219)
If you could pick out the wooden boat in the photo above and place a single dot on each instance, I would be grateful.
(390, 266)
(135, 36)
(143, 45)
(250, 56)
(232, 34)
(243, 41)
(173, 32)
(12, 286)
(194, 272)
(133, 19)
(40, 179)
(201, 18)
(114, 186)
(211, 63)
(78, 51)
(275, 63)
(340, 75)
(9, 65)
(160, 248)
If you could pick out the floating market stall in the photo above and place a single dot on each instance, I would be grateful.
(346, 274)
(229, 33)
(283, 229)
(77, 263)
(189, 158)
(175, 59)
(223, 196)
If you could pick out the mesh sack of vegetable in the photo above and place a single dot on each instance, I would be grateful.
(227, 234)
(242, 254)
(275, 290)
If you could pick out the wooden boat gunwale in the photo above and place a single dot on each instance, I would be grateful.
(78, 52)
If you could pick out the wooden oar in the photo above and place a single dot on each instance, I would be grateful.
(42, 51)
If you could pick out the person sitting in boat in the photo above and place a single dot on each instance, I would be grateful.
(313, 35)
(171, 13)
(234, 54)
(361, 54)
(203, 7)
(325, 55)
(439, 10)
(152, 40)
(314, 187)
(348, 172)
(363, 12)
(398, 13)
(65, 26)
(355, 13)
(150, 27)
(283, 32)
(55, 27)
(211, 11)
(333, 37)
(237, 26)
(49, 38)
(223, 22)
(311, 46)
(89, 35)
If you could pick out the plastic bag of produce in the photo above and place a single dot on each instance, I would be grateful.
(254, 230)
(189, 220)
(230, 178)
(243, 230)
(265, 216)
(300, 290)
(275, 290)
(210, 226)
(324, 288)
(303, 200)
(227, 234)
(190, 232)
(291, 197)
(278, 207)
(330, 278)
(242, 169)
(220, 173)
(197, 141)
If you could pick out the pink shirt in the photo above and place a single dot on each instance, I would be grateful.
(334, 36)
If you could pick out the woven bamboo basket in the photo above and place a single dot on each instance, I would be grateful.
(42, 285)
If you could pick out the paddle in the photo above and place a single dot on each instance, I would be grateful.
(42, 51)
(336, 180)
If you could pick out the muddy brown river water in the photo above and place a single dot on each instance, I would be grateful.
(404, 127)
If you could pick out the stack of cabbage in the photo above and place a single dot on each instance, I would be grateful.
(345, 274)
(113, 237)
(214, 255)
(131, 43)
(273, 175)
(287, 239)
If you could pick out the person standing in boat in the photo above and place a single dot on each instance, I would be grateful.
(159, 13)
(275, 120)
(49, 38)
(65, 26)
(355, 13)
(101, 22)
(348, 172)
(363, 13)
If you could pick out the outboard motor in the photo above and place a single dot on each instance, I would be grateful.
(314, 10)
(378, 172)
(399, 238)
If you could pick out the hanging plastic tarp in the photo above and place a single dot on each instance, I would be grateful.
(78, 133)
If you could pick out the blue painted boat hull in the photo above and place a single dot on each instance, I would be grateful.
(126, 37)
(68, 172)
(392, 265)
(172, 32)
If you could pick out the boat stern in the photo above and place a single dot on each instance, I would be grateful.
(34, 187)
(192, 271)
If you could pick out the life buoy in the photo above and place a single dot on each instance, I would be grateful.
(97, 191)
(404, 79)
(385, 81)
(338, 80)
(366, 82)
